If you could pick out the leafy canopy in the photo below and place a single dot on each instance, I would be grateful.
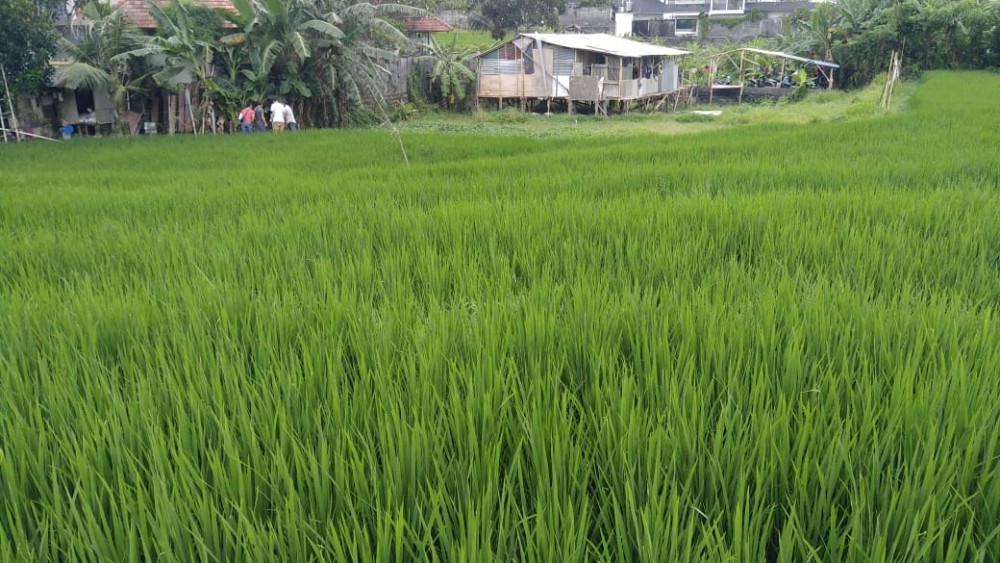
(501, 16)
(27, 41)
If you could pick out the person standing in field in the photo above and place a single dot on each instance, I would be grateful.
(247, 117)
(277, 116)
(259, 123)
(290, 122)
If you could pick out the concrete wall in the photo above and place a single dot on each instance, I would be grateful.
(768, 27)
(589, 20)
(600, 20)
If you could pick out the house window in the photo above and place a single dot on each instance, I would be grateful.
(505, 60)
(727, 6)
(686, 26)
(562, 61)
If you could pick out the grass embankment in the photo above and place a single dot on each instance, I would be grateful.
(477, 40)
(817, 107)
(774, 346)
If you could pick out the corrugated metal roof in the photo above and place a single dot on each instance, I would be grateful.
(790, 56)
(604, 43)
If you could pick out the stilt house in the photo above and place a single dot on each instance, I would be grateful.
(576, 67)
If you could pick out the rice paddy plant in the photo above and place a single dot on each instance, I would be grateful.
(763, 344)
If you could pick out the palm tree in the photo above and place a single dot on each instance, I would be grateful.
(101, 59)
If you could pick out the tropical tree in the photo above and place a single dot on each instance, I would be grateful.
(280, 37)
(187, 39)
(815, 33)
(351, 69)
(450, 72)
(27, 41)
(501, 16)
(102, 58)
(861, 34)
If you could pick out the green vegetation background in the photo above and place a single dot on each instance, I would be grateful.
(773, 342)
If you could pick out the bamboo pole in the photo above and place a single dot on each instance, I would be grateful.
(187, 102)
(713, 68)
(3, 124)
(171, 111)
(10, 104)
(26, 134)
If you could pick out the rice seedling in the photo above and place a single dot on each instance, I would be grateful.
(769, 343)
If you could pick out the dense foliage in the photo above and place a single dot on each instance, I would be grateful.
(860, 35)
(776, 345)
(99, 57)
(324, 57)
(27, 41)
(450, 73)
(503, 16)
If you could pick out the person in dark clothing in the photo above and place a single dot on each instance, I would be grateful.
(260, 122)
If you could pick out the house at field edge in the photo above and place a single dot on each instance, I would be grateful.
(683, 20)
(92, 111)
(596, 68)
(420, 29)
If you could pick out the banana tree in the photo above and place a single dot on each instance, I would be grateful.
(185, 47)
(353, 66)
(450, 70)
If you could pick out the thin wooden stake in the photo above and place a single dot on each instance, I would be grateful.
(395, 131)
(3, 125)
(26, 134)
(10, 104)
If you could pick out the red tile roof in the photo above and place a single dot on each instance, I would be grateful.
(427, 23)
(138, 12)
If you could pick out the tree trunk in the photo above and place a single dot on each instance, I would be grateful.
(342, 104)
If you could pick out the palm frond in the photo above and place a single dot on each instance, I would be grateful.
(324, 28)
(82, 75)
(269, 55)
(299, 45)
(233, 39)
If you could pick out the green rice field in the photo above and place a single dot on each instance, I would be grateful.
(772, 343)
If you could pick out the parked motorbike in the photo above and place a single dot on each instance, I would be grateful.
(762, 82)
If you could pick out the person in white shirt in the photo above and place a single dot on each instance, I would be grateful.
(277, 116)
(290, 123)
